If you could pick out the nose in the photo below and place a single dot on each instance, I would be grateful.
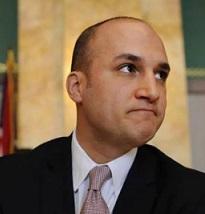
(147, 88)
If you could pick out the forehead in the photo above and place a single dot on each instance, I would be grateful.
(127, 36)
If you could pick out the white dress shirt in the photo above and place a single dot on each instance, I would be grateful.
(82, 164)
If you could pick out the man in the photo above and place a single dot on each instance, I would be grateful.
(118, 82)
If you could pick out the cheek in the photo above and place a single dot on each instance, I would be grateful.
(108, 96)
(162, 103)
(98, 99)
(110, 102)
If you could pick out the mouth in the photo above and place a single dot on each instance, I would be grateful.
(146, 110)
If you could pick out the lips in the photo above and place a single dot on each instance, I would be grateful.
(144, 110)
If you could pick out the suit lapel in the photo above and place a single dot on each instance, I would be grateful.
(140, 189)
(56, 187)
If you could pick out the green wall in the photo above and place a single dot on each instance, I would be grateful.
(8, 27)
(193, 17)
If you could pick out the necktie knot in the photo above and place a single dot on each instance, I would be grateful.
(98, 175)
(94, 202)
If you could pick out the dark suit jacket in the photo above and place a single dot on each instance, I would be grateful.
(40, 182)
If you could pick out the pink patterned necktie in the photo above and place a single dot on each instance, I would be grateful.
(94, 203)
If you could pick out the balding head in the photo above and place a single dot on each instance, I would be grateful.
(82, 54)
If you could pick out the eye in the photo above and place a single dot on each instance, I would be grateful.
(128, 68)
(162, 75)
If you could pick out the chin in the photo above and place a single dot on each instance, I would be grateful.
(141, 137)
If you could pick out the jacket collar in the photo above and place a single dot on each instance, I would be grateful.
(56, 187)
(140, 189)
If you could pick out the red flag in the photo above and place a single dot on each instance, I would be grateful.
(7, 134)
(7, 123)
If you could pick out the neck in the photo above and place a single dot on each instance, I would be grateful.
(100, 150)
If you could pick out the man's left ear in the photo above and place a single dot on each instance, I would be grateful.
(75, 84)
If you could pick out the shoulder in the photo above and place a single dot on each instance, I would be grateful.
(174, 179)
(172, 168)
(23, 173)
(17, 162)
(54, 146)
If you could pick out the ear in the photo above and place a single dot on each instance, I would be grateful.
(75, 84)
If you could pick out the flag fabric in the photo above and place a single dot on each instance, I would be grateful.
(2, 95)
(7, 110)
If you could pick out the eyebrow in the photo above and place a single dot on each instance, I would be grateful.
(130, 57)
(135, 58)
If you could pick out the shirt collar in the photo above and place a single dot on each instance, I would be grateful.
(120, 168)
(82, 164)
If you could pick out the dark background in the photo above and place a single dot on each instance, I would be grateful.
(8, 27)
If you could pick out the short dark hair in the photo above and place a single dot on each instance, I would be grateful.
(81, 52)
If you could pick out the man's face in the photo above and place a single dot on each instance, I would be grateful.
(124, 101)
